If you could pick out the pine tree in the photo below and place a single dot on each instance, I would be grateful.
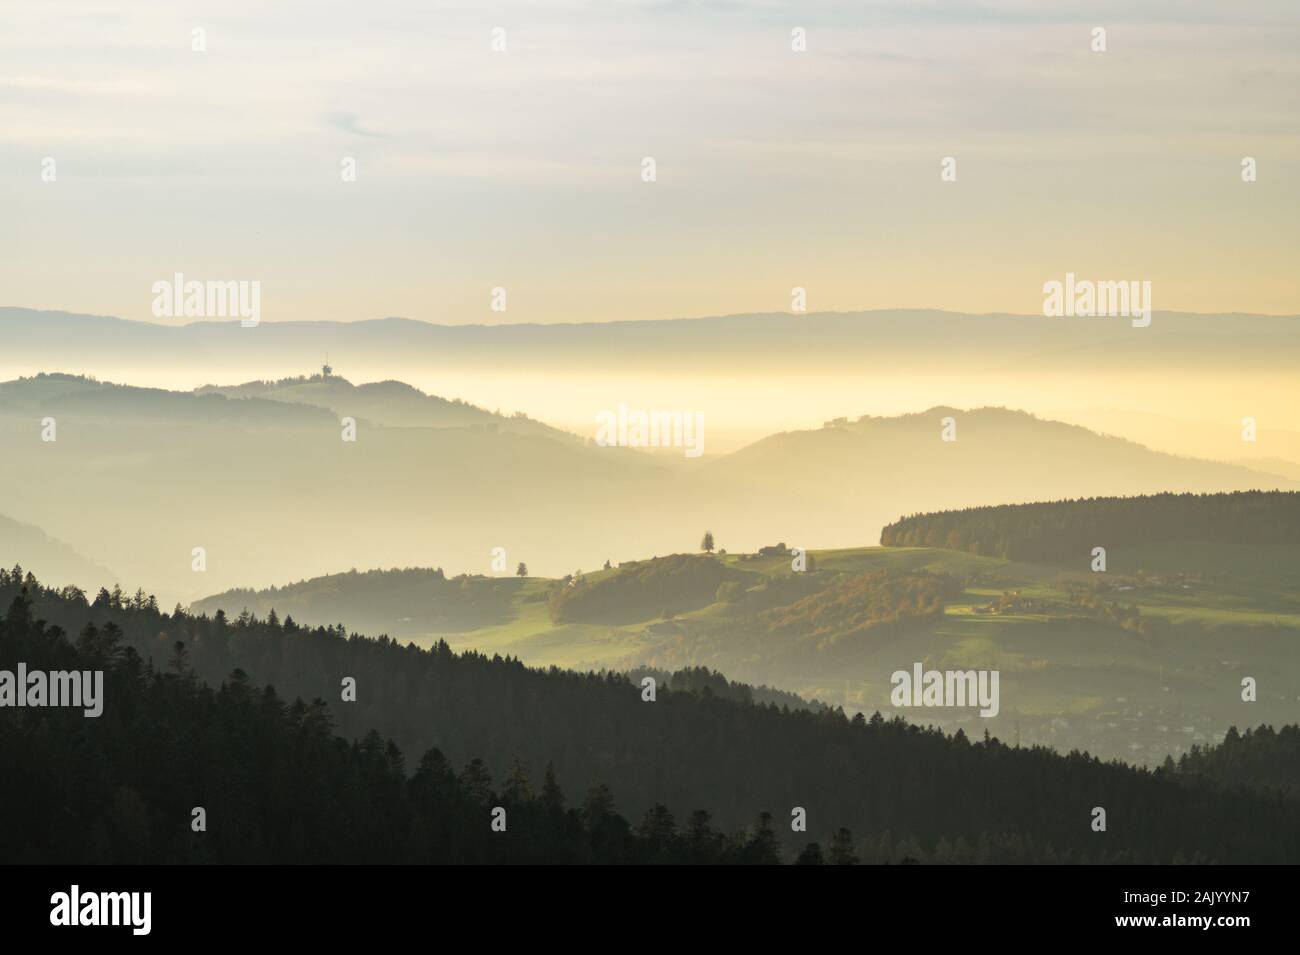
(180, 659)
(517, 789)
(476, 781)
(842, 848)
(811, 855)
(552, 796)
(762, 847)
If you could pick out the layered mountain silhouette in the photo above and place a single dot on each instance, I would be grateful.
(269, 489)
(388, 403)
(851, 477)
(38, 553)
(830, 340)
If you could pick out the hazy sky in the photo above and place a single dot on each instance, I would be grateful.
(522, 169)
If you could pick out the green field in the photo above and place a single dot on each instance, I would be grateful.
(1136, 685)
(1220, 613)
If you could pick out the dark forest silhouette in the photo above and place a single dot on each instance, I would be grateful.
(1065, 531)
(287, 786)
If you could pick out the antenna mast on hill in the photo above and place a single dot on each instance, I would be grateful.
(325, 369)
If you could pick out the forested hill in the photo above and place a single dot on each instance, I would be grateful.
(276, 785)
(890, 782)
(1264, 756)
(410, 600)
(1061, 531)
(390, 403)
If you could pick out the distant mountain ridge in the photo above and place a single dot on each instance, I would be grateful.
(832, 339)
(207, 470)
(390, 403)
(42, 555)
(852, 474)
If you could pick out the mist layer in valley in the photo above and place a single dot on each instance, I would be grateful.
(267, 482)
(1181, 385)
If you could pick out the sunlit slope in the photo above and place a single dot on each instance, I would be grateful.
(276, 490)
(45, 557)
(388, 403)
(1143, 660)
